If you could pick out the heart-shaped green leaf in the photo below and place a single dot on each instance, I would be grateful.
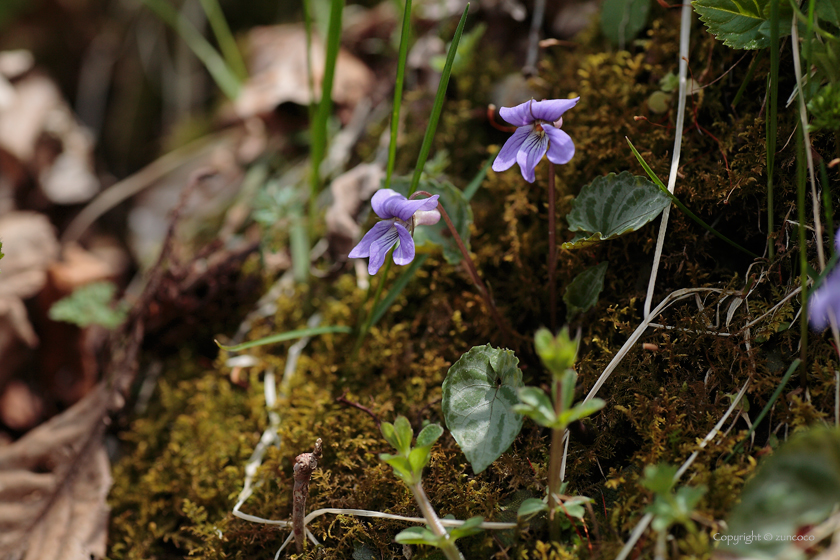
(740, 24)
(613, 205)
(621, 20)
(582, 293)
(479, 393)
(796, 487)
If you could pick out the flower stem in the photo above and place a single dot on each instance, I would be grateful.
(552, 248)
(433, 521)
(468, 262)
(554, 462)
(365, 327)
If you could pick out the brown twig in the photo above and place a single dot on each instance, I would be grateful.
(482, 289)
(305, 463)
(343, 400)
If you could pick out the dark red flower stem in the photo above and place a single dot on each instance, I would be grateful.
(552, 249)
(470, 266)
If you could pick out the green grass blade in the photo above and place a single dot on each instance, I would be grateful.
(829, 211)
(738, 448)
(396, 288)
(307, 26)
(682, 206)
(770, 126)
(472, 188)
(299, 247)
(750, 71)
(322, 115)
(224, 37)
(438, 106)
(204, 51)
(398, 90)
(290, 335)
(803, 252)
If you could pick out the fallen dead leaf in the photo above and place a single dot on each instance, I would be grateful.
(39, 129)
(53, 485)
(278, 72)
(349, 191)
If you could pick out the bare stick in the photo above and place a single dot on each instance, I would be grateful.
(305, 463)
(482, 289)
(552, 248)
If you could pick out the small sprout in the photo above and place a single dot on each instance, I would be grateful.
(557, 353)
(90, 305)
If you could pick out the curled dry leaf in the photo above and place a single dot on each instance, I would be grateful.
(53, 485)
(349, 191)
(38, 128)
(278, 72)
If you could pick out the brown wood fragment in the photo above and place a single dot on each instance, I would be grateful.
(305, 463)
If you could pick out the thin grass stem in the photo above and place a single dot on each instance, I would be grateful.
(771, 122)
(398, 90)
(803, 259)
(552, 248)
(224, 37)
(685, 34)
(438, 104)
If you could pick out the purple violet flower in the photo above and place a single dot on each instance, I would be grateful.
(826, 298)
(538, 132)
(399, 216)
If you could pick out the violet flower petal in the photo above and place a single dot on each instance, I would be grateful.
(519, 115)
(551, 109)
(561, 149)
(404, 254)
(825, 298)
(530, 154)
(507, 155)
(400, 207)
(363, 248)
(837, 242)
(380, 247)
(379, 199)
(426, 217)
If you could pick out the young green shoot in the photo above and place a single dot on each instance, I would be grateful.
(408, 465)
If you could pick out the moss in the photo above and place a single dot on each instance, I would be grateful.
(184, 457)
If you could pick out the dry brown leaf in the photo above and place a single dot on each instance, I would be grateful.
(278, 72)
(53, 485)
(30, 246)
(349, 191)
(40, 130)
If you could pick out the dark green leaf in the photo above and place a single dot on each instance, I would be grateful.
(613, 205)
(582, 293)
(479, 393)
(742, 24)
(798, 486)
(621, 20)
